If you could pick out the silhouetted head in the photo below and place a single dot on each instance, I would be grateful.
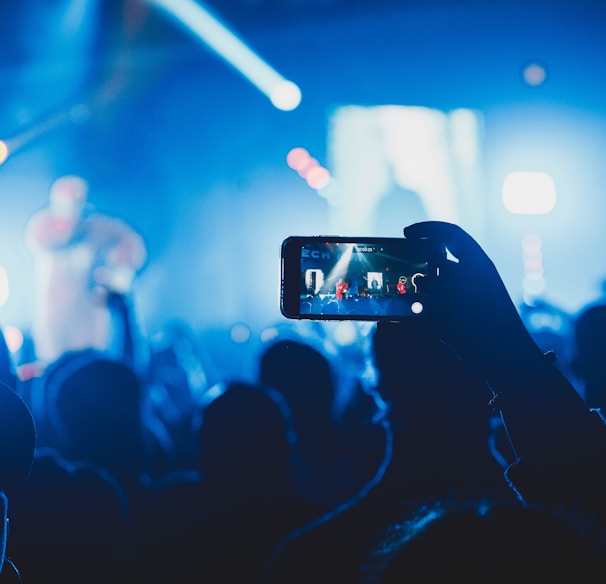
(589, 355)
(72, 525)
(245, 441)
(301, 373)
(17, 443)
(95, 414)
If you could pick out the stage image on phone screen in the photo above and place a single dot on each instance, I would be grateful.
(360, 280)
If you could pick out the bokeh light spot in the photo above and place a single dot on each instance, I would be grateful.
(269, 334)
(3, 151)
(13, 337)
(318, 177)
(529, 193)
(4, 286)
(346, 333)
(297, 158)
(239, 333)
(534, 74)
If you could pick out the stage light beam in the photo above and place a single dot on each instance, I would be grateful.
(283, 94)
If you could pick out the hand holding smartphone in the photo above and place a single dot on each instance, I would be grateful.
(356, 278)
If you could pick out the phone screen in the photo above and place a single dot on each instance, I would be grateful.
(342, 278)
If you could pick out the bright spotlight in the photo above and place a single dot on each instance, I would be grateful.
(286, 96)
(529, 193)
(283, 94)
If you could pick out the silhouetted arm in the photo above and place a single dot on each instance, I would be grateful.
(559, 442)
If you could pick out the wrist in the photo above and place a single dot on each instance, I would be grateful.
(544, 414)
(520, 376)
(515, 360)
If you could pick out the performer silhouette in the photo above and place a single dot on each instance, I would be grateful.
(81, 260)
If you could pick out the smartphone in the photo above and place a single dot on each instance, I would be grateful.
(356, 278)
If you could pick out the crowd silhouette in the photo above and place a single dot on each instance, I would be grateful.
(470, 453)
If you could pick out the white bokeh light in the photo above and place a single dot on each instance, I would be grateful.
(529, 193)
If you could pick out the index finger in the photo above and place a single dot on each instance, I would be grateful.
(456, 239)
